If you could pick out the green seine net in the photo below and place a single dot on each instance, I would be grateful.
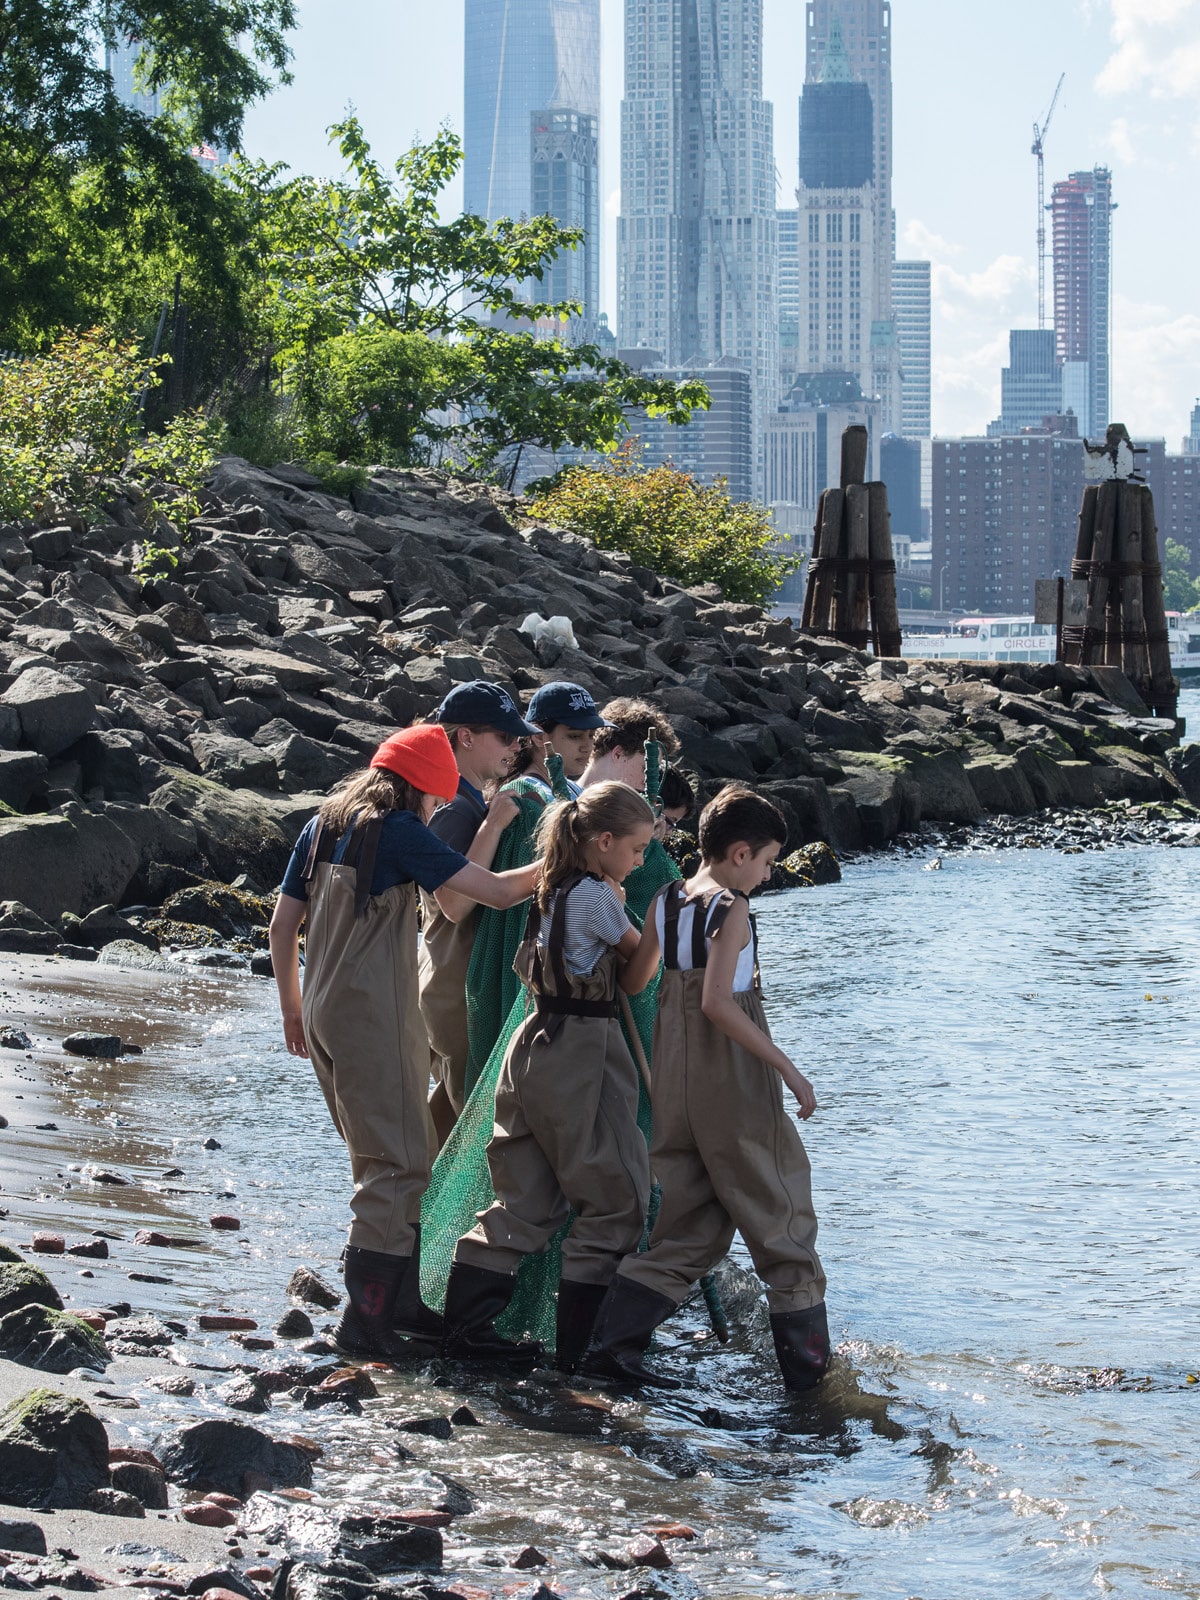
(461, 1184)
(492, 985)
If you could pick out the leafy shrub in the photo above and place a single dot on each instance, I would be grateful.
(374, 395)
(666, 521)
(70, 422)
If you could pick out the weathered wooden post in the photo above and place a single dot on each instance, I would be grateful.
(1116, 551)
(851, 591)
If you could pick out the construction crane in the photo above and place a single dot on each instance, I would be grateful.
(1039, 143)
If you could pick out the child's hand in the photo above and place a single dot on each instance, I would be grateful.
(502, 808)
(806, 1097)
(293, 1033)
(615, 887)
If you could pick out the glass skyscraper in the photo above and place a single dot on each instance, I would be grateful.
(532, 106)
(1082, 207)
(697, 241)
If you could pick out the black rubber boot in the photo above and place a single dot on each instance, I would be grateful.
(414, 1319)
(372, 1282)
(578, 1307)
(801, 1346)
(624, 1329)
(475, 1297)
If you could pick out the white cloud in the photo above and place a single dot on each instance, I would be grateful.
(1120, 141)
(973, 309)
(1157, 47)
(1155, 359)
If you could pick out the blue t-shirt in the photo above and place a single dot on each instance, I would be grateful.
(408, 853)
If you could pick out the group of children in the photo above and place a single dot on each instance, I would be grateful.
(565, 1145)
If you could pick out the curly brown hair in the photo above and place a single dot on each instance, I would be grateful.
(634, 721)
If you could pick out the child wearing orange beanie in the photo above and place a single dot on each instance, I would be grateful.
(352, 882)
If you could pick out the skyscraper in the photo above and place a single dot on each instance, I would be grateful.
(120, 59)
(1031, 386)
(864, 32)
(565, 157)
(1081, 208)
(836, 198)
(912, 304)
(527, 61)
(696, 238)
(1191, 445)
(788, 298)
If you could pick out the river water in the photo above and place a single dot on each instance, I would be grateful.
(1005, 1054)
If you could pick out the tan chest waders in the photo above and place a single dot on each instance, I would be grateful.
(366, 1039)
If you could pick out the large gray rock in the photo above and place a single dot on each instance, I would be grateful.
(222, 1456)
(25, 1285)
(53, 1452)
(885, 798)
(945, 790)
(53, 709)
(52, 1341)
(22, 774)
(1001, 785)
(39, 863)
(234, 762)
(237, 830)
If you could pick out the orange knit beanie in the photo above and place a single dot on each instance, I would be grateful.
(422, 756)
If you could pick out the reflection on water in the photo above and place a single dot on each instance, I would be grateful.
(1004, 1159)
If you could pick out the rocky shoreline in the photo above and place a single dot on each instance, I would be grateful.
(163, 739)
(173, 1418)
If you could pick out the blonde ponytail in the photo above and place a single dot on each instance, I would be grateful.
(567, 829)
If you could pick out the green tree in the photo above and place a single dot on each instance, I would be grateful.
(70, 422)
(1180, 591)
(76, 165)
(371, 249)
(668, 522)
(411, 339)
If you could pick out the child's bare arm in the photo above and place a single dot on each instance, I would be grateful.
(286, 922)
(473, 885)
(723, 1011)
(643, 959)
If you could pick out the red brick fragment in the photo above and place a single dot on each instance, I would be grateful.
(206, 1515)
(48, 1244)
(426, 1519)
(214, 1323)
(229, 1501)
(226, 1223)
(672, 1530)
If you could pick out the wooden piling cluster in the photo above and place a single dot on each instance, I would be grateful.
(851, 593)
(1117, 552)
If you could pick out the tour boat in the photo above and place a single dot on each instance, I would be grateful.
(1023, 639)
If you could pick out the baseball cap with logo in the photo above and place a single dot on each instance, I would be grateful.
(565, 705)
(484, 705)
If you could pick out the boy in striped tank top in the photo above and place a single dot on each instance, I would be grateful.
(726, 1153)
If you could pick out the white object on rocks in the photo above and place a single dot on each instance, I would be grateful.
(558, 629)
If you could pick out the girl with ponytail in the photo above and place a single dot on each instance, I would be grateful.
(565, 1134)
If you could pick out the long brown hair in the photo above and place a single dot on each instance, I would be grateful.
(367, 794)
(566, 830)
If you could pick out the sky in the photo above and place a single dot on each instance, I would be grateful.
(969, 81)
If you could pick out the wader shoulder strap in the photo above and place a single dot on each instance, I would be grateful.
(366, 838)
(320, 850)
(672, 905)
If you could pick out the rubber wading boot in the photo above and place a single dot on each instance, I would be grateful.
(475, 1297)
(626, 1325)
(578, 1307)
(372, 1282)
(801, 1346)
(414, 1319)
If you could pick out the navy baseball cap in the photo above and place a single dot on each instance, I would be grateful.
(566, 705)
(484, 705)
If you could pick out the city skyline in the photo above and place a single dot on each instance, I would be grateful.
(966, 96)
